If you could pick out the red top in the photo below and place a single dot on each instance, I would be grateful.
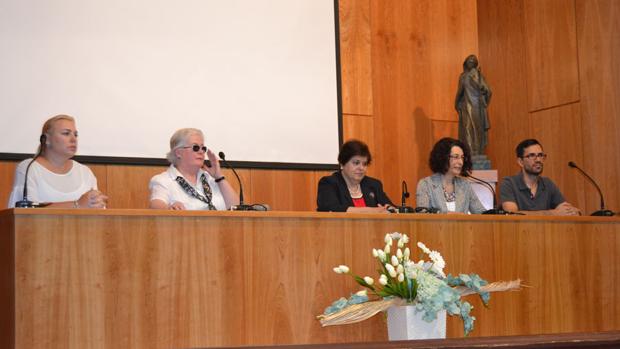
(359, 202)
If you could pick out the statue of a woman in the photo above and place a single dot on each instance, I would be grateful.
(472, 98)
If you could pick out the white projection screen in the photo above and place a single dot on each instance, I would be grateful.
(259, 77)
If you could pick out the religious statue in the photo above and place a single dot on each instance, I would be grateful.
(472, 98)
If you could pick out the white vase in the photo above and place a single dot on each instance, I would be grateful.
(404, 323)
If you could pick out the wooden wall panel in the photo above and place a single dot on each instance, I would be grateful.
(101, 173)
(559, 131)
(452, 31)
(128, 186)
(502, 55)
(355, 57)
(551, 45)
(417, 52)
(359, 127)
(598, 33)
(7, 174)
(443, 129)
(284, 190)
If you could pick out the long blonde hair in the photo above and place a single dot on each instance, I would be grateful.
(45, 131)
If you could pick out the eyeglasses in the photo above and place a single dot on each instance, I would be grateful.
(196, 148)
(457, 156)
(534, 156)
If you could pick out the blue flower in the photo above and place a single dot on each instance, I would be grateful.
(336, 306)
(357, 299)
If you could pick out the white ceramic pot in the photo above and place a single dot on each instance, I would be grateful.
(404, 323)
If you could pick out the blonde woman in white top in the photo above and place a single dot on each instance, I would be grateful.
(55, 178)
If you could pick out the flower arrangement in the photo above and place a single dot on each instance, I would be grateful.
(403, 281)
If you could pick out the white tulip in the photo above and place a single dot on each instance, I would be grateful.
(394, 261)
(390, 270)
(362, 293)
(405, 238)
(344, 269)
(400, 268)
(386, 249)
(406, 254)
(369, 280)
(337, 270)
(424, 248)
(399, 254)
(388, 239)
(401, 244)
(383, 280)
(382, 256)
(375, 253)
(401, 277)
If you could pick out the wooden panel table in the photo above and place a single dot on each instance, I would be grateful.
(162, 279)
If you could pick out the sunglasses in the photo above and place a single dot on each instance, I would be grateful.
(196, 148)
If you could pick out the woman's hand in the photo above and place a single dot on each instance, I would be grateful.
(92, 199)
(177, 206)
(215, 170)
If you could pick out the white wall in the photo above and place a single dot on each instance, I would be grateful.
(257, 76)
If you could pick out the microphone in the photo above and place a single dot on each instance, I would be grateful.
(495, 209)
(422, 209)
(24, 202)
(405, 195)
(602, 211)
(241, 206)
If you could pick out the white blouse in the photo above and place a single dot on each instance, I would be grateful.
(451, 206)
(47, 186)
(165, 188)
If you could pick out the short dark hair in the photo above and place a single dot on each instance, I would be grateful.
(524, 144)
(352, 148)
(439, 160)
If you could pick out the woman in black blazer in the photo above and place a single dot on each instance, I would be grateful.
(350, 190)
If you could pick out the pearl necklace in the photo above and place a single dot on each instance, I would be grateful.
(356, 191)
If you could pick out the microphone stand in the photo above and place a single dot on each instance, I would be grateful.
(602, 212)
(241, 206)
(405, 195)
(495, 209)
(24, 202)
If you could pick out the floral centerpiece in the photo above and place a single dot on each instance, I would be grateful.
(404, 281)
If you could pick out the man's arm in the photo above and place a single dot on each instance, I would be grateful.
(563, 209)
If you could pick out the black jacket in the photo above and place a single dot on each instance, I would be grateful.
(334, 195)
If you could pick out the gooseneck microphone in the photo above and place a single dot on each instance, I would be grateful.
(602, 211)
(495, 209)
(405, 195)
(24, 202)
(241, 206)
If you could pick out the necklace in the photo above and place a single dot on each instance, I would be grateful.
(356, 191)
(449, 196)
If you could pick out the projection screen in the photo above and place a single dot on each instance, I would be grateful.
(259, 77)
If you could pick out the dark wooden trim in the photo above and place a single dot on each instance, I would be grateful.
(604, 340)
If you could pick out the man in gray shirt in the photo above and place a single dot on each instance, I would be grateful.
(530, 193)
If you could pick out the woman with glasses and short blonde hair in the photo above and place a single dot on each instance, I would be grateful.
(188, 184)
(446, 190)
